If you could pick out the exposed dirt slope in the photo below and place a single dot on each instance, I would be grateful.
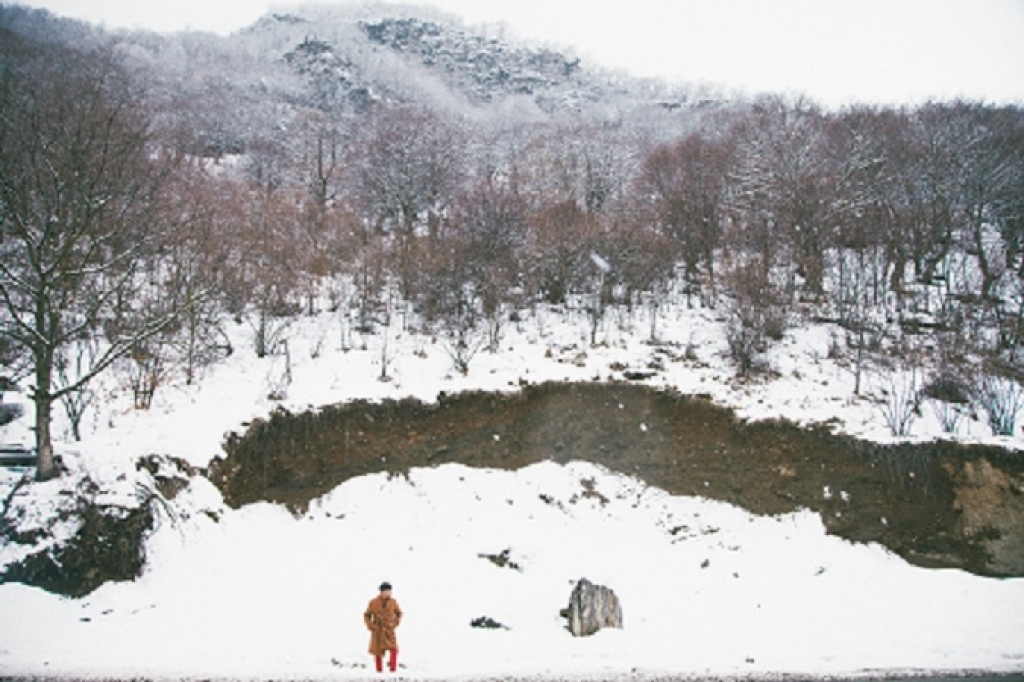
(937, 504)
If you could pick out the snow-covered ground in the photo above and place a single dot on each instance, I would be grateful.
(190, 422)
(706, 587)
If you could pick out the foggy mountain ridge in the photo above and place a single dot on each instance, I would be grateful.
(229, 90)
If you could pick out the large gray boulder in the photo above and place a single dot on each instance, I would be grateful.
(591, 608)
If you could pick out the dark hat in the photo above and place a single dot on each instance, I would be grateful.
(385, 586)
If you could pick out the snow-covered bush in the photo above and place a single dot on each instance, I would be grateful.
(1002, 399)
(950, 415)
(901, 399)
(758, 314)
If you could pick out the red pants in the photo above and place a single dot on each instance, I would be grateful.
(392, 661)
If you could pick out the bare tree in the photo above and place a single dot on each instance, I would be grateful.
(560, 240)
(72, 362)
(405, 167)
(199, 270)
(782, 189)
(273, 263)
(758, 311)
(453, 302)
(79, 173)
(988, 145)
(324, 217)
(190, 274)
(489, 225)
(688, 181)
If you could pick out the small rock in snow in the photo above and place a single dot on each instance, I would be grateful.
(487, 623)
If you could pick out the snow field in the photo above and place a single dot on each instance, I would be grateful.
(705, 587)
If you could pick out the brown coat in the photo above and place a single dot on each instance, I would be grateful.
(381, 618)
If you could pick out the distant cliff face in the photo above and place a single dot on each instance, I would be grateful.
(485, 69)
(412, 59)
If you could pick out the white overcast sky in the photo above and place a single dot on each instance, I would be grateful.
(836, 51)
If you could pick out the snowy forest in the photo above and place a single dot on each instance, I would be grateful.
(156, 190)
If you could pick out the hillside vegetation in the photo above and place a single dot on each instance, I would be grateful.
(407, 170)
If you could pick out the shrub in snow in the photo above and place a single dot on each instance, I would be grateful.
(279, 374)
(462, 343)
(901, 401)
(950, 415)
(745, 344)
(1002, 399)
(758, 313)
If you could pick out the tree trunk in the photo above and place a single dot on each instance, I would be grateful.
(193, 342)
(860, 357)
(988, 278)
(46, 468)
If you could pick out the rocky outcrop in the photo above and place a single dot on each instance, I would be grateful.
(592, 608)
(991, 505)
(485, 68)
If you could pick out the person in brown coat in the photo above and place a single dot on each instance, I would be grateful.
(382, 616)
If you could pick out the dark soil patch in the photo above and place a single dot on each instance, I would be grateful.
(904, 496)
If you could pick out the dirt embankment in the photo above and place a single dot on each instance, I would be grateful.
(936, 504)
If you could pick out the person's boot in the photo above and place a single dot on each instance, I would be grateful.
(379, 660)
(393, 661)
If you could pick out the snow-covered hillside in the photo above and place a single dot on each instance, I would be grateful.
(329, 362)
(706, 587)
